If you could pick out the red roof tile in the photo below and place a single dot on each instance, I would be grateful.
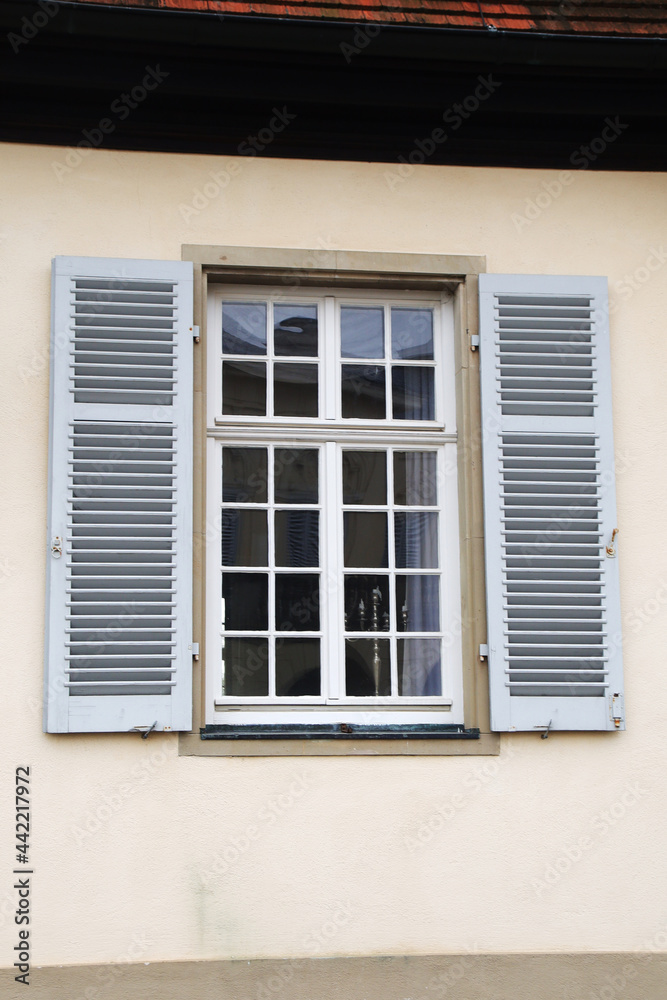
(587, 17)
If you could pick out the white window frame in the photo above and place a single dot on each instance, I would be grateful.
(331, 433)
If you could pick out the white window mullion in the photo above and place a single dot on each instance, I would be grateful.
(329, 359)
(333, 652)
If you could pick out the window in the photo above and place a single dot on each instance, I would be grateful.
(355, 507)
(334, 590)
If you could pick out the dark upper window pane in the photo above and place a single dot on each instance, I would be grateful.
(365, 538)
(297, 667)
(365, 477)
(294, 390)
(415, 478)
(297, 602)
(246, 597)
(412, 334)
(244, 328)
(295, 475)
(244, 537)
(363, 391)
(413, 393)
(245, 667)
(295, 331)
(244, 475)
(297, 537)
(244, 388)
(362, 332)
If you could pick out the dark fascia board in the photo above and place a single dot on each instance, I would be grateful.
(393, 41)
(226, 75)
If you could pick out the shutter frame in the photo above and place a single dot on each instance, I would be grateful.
(504, 413)
(96, 486)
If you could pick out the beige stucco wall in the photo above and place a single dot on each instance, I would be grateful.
(351, 856)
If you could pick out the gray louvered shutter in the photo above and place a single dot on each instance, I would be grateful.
(119, 543)
(555, 658)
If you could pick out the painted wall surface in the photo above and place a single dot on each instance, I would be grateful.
(556, 845)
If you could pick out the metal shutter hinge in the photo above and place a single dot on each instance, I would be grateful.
(617, 710)
(194, 646)
(483, 651)
(474, 341)
(195, 334)
(611, 548)
(56, 547)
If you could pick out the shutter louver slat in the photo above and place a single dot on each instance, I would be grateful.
(119, 598)
(552, 593)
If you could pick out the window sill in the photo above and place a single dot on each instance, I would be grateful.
(333, 741)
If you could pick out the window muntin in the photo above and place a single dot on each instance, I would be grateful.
(387, 490)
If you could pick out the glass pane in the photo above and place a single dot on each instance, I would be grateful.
(412, 334)
(365, 477)
(244, 475)
(244, 388)
(363, 392)
(415, 478)
(297, 538)
(362, 332)
(295, 331)
(295, 475)
(244, 536)
(297, 667)
(297, 602)
(246, 601)
(243, 328)
(367, 667)
(416, 540)
(365, 539)
(245, 671)
(413, 393)
(418, 603)
(367, 603)
(419, 672)
(294, 390)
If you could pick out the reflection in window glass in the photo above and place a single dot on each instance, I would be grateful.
(297, 538)
(295, 331)
(365, 538)
(245, 671)
(244, 388)
(418, 603)
(244, 328)
(244, 475)
(297, 667)
(362, 332)
(365, 477)
(413, 392)
(412, 334)
(419, 672)
(295, 475)
(367, 668)
(246, 601)
(298, 602)
(363, 392)
(294, 390)
(416, 539)
(244, 537)
(415, 478)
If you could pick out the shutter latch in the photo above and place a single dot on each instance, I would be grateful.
(611, 549)
(617, 710)
(56, 547)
